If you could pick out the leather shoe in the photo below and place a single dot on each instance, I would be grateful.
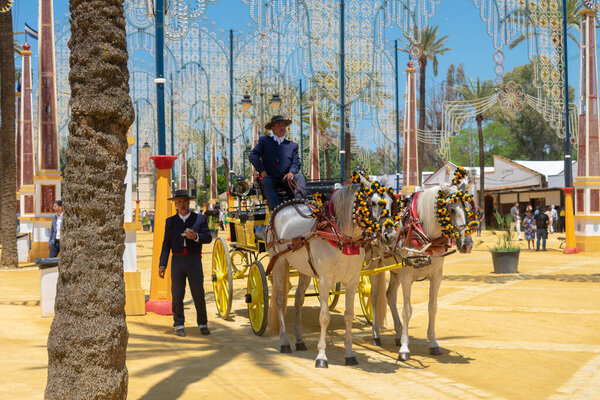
(204, 330)
(180, 332)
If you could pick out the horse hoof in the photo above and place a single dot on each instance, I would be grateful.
(398, 342)
(286, 348)
(351, 361)
(301, 346)
(435, 351)
(376, 341)
(404, 357)
(321, 364)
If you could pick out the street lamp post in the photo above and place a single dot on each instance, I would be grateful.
(397, 116)
(342, 93)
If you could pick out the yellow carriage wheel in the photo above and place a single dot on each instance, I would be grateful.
(257, 298)
(222, 277)
(364, 296)
(333, 297)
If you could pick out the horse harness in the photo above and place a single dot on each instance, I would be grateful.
(413, 234)
(324, 227)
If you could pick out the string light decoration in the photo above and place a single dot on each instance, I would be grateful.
(443, 203)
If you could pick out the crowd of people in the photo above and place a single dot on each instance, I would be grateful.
(537, 224)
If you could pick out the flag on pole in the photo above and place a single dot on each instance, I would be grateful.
(29, 31)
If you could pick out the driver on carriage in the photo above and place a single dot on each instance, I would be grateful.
(277, 162)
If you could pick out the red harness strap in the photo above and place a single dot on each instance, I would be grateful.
(348, 248)
(414, 234)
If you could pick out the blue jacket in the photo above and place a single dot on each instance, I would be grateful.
(276, 159)
(173, 241)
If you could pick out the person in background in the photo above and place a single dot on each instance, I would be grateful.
(221, 219)
(554, 218)
(561, 220)
(529, 227)
(55, 229)
(516, 220)
(185, 232)
(550, 220)
(541, 229)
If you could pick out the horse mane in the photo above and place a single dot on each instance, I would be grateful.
(426, 203)
(343, 205)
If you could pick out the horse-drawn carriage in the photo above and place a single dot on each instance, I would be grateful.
(243, 257)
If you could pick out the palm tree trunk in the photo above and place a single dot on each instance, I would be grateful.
(347, 148)
(479, 119)
(88, 337)
(421, 146)
(327, 164)
(8, 162)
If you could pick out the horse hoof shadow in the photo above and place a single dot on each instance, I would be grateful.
(321, 364)
(286, 348)
(350, 361)
(403, 356)
(435, 351)
(301, 346)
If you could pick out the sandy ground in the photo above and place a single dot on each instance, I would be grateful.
(532, 335)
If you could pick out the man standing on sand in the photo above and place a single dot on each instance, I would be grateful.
(516, 220)
(55, 229)
(185, 232)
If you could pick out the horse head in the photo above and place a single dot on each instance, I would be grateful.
(460, 210)
(380, 203)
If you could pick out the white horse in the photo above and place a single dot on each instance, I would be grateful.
(426, 210)
(328, 263)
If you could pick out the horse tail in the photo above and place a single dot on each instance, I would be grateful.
(381, 305)
(281, 287)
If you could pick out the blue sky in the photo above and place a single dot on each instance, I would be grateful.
(459, 19)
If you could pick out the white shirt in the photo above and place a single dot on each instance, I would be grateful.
(278, 139)
(58, 225)
(183, 218)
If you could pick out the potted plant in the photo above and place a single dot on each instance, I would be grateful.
(213, 222)
(505, 254)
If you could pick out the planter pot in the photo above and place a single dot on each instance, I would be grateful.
(506, 262)
(214, 233)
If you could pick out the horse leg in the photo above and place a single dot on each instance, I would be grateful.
(434, 286)
(351, 287)
(324, 317)
(303, 282)
(376, 297)
(406, 314)
(392, 300)
(280, 283)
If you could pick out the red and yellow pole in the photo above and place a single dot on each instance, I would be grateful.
(160, 288)
(571, 244)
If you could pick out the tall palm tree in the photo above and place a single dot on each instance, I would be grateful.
(8, 162)
(88, 337)
(474, 92)
(430, 47)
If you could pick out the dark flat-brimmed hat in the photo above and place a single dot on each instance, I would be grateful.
(278, 118)
(181, 194)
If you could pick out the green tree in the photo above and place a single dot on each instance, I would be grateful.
(431, 46)
(8, 162)
(497, 139)
(88, 337)
(474, 92)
